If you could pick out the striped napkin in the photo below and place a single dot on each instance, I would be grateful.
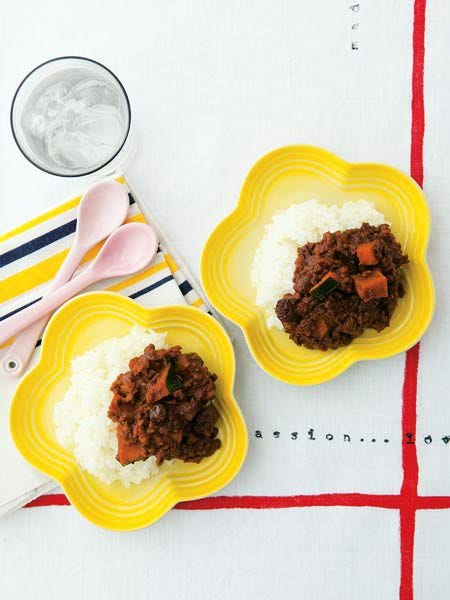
(30, 256)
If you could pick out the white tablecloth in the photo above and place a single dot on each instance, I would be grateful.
(213, 86)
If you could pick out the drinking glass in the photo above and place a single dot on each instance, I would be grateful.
(71, 117)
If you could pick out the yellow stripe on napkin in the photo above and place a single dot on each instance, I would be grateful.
(41, 273)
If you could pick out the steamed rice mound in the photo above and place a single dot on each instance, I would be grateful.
(81, 423)
(274, 261)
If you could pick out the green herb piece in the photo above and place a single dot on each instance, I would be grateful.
(327, 285)
(173, 382)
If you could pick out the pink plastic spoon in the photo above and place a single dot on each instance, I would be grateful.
(102, 209)
(128, 249)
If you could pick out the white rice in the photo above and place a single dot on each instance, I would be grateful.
(82, 425)
(273, 264)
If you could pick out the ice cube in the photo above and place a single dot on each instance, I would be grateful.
(103, 126)
(94, 91)
(35, 124)
(70, 149)
(49, 107)
(53, 100)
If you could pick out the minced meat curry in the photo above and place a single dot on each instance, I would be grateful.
(162, 407)
(349, 281)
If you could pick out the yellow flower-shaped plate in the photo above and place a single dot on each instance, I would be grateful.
(83, 323)
(295, 174)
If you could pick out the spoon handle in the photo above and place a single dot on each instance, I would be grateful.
(46, 305)
(19, 353)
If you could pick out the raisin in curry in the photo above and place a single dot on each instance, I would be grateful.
(349, 281)
(163, 408)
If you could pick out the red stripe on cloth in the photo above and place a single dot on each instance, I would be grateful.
(409, 424)
(49, 500)
(269, 502)
(417, 101)
(407, 532)
(260, 502)
(409, 411)
(433, 502)
(410, 474)
(298, 501)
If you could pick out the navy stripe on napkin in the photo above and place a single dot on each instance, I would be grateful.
(38, 243)
(185, 287)
(16, 310)
(151, 287)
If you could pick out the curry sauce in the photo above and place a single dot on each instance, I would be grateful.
(163, 408)
(349, 281)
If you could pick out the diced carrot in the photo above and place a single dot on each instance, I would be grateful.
(119, 408)
(366, 254)
(371, 285)
(321, 328)
(157, 388)
(127, 451)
